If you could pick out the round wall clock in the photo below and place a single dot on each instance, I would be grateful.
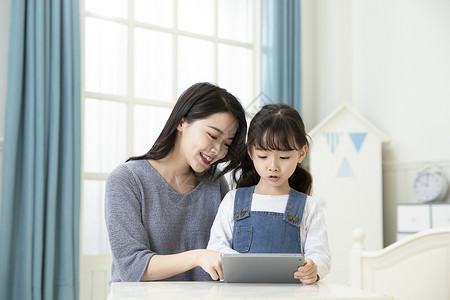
(430, 185)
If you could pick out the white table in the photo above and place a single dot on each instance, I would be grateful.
(220, 290)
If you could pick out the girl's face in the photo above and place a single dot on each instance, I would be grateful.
(275, 168)
(205, 141)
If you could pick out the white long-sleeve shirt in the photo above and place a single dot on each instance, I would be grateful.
(313, 231)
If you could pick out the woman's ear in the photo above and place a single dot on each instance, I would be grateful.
(250, 154)
(180, 125)
(302, 153)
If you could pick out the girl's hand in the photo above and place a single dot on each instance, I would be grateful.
(307, 273)
(210, 261)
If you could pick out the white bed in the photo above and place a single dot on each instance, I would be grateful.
(416, 267)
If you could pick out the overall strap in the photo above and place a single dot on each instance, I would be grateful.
(295, 207)
(242, 202)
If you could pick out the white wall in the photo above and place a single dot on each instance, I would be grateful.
(4, 34)
(390, 60)
(402, 65)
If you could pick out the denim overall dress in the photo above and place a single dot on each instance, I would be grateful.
(267, 232)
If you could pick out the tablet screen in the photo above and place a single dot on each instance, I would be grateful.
(261, 267)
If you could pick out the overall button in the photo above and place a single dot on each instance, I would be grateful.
(289, 217)
(243, 212)
(236, 214)
(296, 219)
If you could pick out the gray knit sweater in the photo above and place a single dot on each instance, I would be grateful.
(145, 216)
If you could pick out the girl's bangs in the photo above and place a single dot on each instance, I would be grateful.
(276, 139)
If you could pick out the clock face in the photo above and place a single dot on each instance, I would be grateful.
(429, 186)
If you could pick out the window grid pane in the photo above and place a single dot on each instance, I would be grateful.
(237, 76)
(155, 12)
(148, 122)
(153, 65)
(105, 57)
(235, 20)
(104, 136)
(196, 16)
(108, 8)
(95, 237)
(195, 62)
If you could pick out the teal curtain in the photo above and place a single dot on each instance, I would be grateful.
(281, 55)
(39, 221)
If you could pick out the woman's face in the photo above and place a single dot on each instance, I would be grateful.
(206, 141)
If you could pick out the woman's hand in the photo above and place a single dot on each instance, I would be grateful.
(165, 266)
(210, 261)
(307, 273)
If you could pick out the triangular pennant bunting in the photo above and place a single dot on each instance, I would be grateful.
(345, 170)
(332, 140)
(358, 139)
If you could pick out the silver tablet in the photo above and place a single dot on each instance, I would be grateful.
(261, 267)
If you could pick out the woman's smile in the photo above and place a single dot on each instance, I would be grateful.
(206, 159)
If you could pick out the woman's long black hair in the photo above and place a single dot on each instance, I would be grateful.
(198, 102)
(275, 127)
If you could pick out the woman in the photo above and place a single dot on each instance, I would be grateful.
(160, 206)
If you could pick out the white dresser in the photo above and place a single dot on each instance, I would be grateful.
(412, 218)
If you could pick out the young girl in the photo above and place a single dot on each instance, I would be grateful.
(160, 206)
(270, 211)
